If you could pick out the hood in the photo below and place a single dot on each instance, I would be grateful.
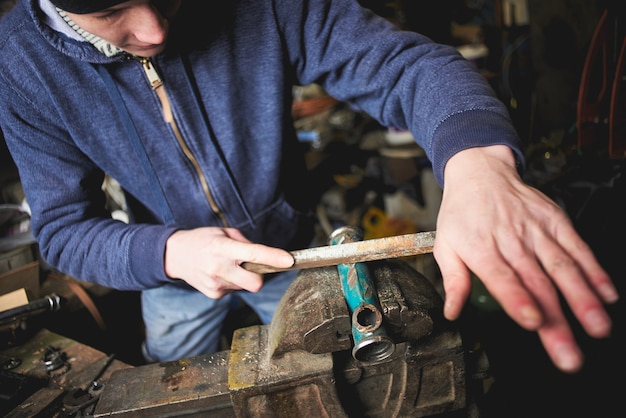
(72, 48)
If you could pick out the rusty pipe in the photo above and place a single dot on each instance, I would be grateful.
(355, 252)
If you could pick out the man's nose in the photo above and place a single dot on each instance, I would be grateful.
(150, 25)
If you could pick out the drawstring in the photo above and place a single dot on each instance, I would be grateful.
(164, 208)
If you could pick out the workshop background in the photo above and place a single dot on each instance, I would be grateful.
(563, 81)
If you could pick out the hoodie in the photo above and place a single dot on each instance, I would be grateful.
(70, 114)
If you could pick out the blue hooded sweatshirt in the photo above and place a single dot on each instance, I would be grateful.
(70, 115)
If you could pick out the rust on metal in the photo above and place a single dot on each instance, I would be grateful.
(399, 246)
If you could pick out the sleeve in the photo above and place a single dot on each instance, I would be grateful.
(63, 188)
(400, 78)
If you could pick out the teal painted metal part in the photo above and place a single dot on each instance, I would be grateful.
(371, 342)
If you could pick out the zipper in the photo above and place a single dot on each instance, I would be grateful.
(168, 116)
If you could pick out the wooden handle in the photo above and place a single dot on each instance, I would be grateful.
(355, 252)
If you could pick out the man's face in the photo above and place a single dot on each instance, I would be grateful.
(139, 27)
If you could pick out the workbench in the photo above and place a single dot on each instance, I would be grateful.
(29, 386)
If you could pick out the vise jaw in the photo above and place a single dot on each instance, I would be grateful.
(424, 377)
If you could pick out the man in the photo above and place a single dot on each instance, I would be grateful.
(190, 113)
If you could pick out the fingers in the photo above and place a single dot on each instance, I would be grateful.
(584, 288)
(261, 254)
(539, 306)
(560, 344)
(499, 278)
(226, 277)
(209, 259)
(225, 273)
(543, 316)
(598, 279)
(456, 283)
(525, 276)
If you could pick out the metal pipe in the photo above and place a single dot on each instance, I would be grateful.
(398, 246)
(371, 342)
(50, 303)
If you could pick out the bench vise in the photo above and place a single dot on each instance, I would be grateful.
(303, 363)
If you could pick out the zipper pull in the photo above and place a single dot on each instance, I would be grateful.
(151, 73)
(158, 87)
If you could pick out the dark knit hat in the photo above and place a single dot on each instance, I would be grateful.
(85, 6)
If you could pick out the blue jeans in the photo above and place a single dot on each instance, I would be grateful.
(182, 322)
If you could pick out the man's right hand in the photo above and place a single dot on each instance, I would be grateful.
(210, 259)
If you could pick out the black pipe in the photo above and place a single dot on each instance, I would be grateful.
(49, 303)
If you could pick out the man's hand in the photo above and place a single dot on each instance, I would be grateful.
(209, 259)
(524, 249)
